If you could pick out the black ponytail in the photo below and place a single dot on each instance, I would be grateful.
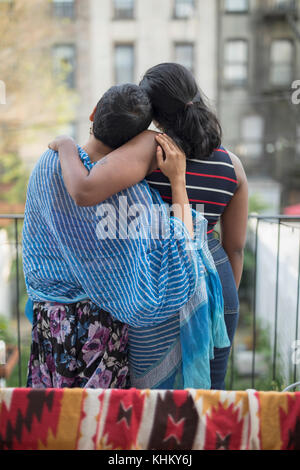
(180, 109)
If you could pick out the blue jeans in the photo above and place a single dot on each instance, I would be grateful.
(218, 366)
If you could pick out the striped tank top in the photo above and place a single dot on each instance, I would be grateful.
(210, 184)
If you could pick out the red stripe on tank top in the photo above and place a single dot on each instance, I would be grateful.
(198, 200)
(221, 150)
(207, 176)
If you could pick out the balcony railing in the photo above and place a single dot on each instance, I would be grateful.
(278, 9)
(15, 221)
(270, 304)
(275, 244)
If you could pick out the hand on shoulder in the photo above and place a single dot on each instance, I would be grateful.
(58, 141)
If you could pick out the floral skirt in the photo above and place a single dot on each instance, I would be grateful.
(77, 345)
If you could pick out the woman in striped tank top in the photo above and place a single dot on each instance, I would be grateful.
(215, 179)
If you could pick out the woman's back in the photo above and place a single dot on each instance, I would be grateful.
(210, 184)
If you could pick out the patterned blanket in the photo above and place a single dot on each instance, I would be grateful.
(143, 419)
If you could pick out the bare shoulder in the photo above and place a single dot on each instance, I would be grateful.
(149, 132)
(239, 168)
(142, 144)
(147, 135)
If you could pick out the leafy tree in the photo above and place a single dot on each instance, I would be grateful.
(38, 101)
(13, 179)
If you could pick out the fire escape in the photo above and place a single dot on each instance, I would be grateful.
(276, 19)
(284, 10)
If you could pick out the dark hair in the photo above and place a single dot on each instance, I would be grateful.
(180, 109)
(123, 112)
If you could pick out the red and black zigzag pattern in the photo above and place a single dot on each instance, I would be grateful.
(175, 422)
(290, 424)
(31, 414)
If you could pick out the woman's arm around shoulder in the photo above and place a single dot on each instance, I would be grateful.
(119, 170)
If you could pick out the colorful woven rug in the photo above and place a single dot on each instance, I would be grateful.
(142, 419)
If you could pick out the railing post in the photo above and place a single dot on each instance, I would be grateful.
(231, 383)
(2, 362)
(297, 312)
(254, 306)
(18, 301)
(276, 301)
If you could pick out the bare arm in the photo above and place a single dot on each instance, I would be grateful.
(174, 167)
(119, 170)
(234, 223)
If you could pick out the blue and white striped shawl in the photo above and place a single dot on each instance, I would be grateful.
(145, 282)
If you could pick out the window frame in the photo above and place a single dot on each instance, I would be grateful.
(227, 82)
(116, 17)
(124, 44)
(183, 18)
(58, 9)
(73, 85)
(186, 43)
(253, 141)
(298, 140)
(291, 64)
(236, 12)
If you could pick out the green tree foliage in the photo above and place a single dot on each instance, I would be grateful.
(37, 99)
(257, 204)
(13, 177)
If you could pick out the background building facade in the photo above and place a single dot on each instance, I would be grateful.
(245, 55)
(115, 41)
(259, 59)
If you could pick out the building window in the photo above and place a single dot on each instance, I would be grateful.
(64, 8)
(298, 141)
(252, 133)
(281, 71)
(124, 63)
(123, 9)
(236, 6)
(184, 55)
(236, 62)
(184, 8)
(64, 63)
(282, 4)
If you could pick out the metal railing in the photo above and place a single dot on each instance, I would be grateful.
(16, 218)
(256, 223)
(280, 221)
(278, 8)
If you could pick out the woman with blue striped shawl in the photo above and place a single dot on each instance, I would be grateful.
(167, 349)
